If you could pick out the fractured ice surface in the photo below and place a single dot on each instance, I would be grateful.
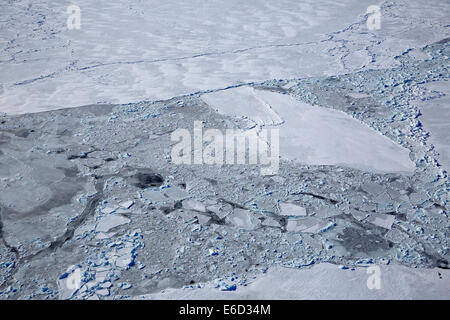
(66, 174)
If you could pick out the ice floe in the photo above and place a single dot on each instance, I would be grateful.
(316, 135)
(109, 222)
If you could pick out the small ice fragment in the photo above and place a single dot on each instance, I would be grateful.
(176, 194)
(270, 222)
(382, 220)
(194, 205)
(126, 204)
(244, 219)
(125, 285)
(108, 210)
(310, 225)
(103, 235)
(102, 292)
(69, 282)
(124, 261)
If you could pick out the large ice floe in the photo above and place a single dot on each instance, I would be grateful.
(93, 205)
(314, 135)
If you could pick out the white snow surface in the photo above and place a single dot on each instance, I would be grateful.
(134, 50)
(315, 135)
(327, 281)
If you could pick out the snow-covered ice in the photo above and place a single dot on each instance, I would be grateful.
(327, 281)
(129, 51)
(315, 135)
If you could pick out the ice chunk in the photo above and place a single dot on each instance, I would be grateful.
(372, 188)
(221, 210)
(108, 210)
(102, 292)
(244, 219)
(326, 212)
(126, 204)
(111, 221)
(381, 220)
(194, 205)
(154, 196)
(124, 261)
(310, 225)
(270, 222)
(70, 282)
(290, 209)
(125, 285)
(104, 235)
(176, 194)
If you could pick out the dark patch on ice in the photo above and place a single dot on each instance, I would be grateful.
(178, 205)
(4, 139)
(149, 179)
(22, 133)
(69, 172)
(443, 41)
(212, 181)
(62, 194)
(443, 264)
(81, 156)
(167, 210)
(64, 133)
(361, 241)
